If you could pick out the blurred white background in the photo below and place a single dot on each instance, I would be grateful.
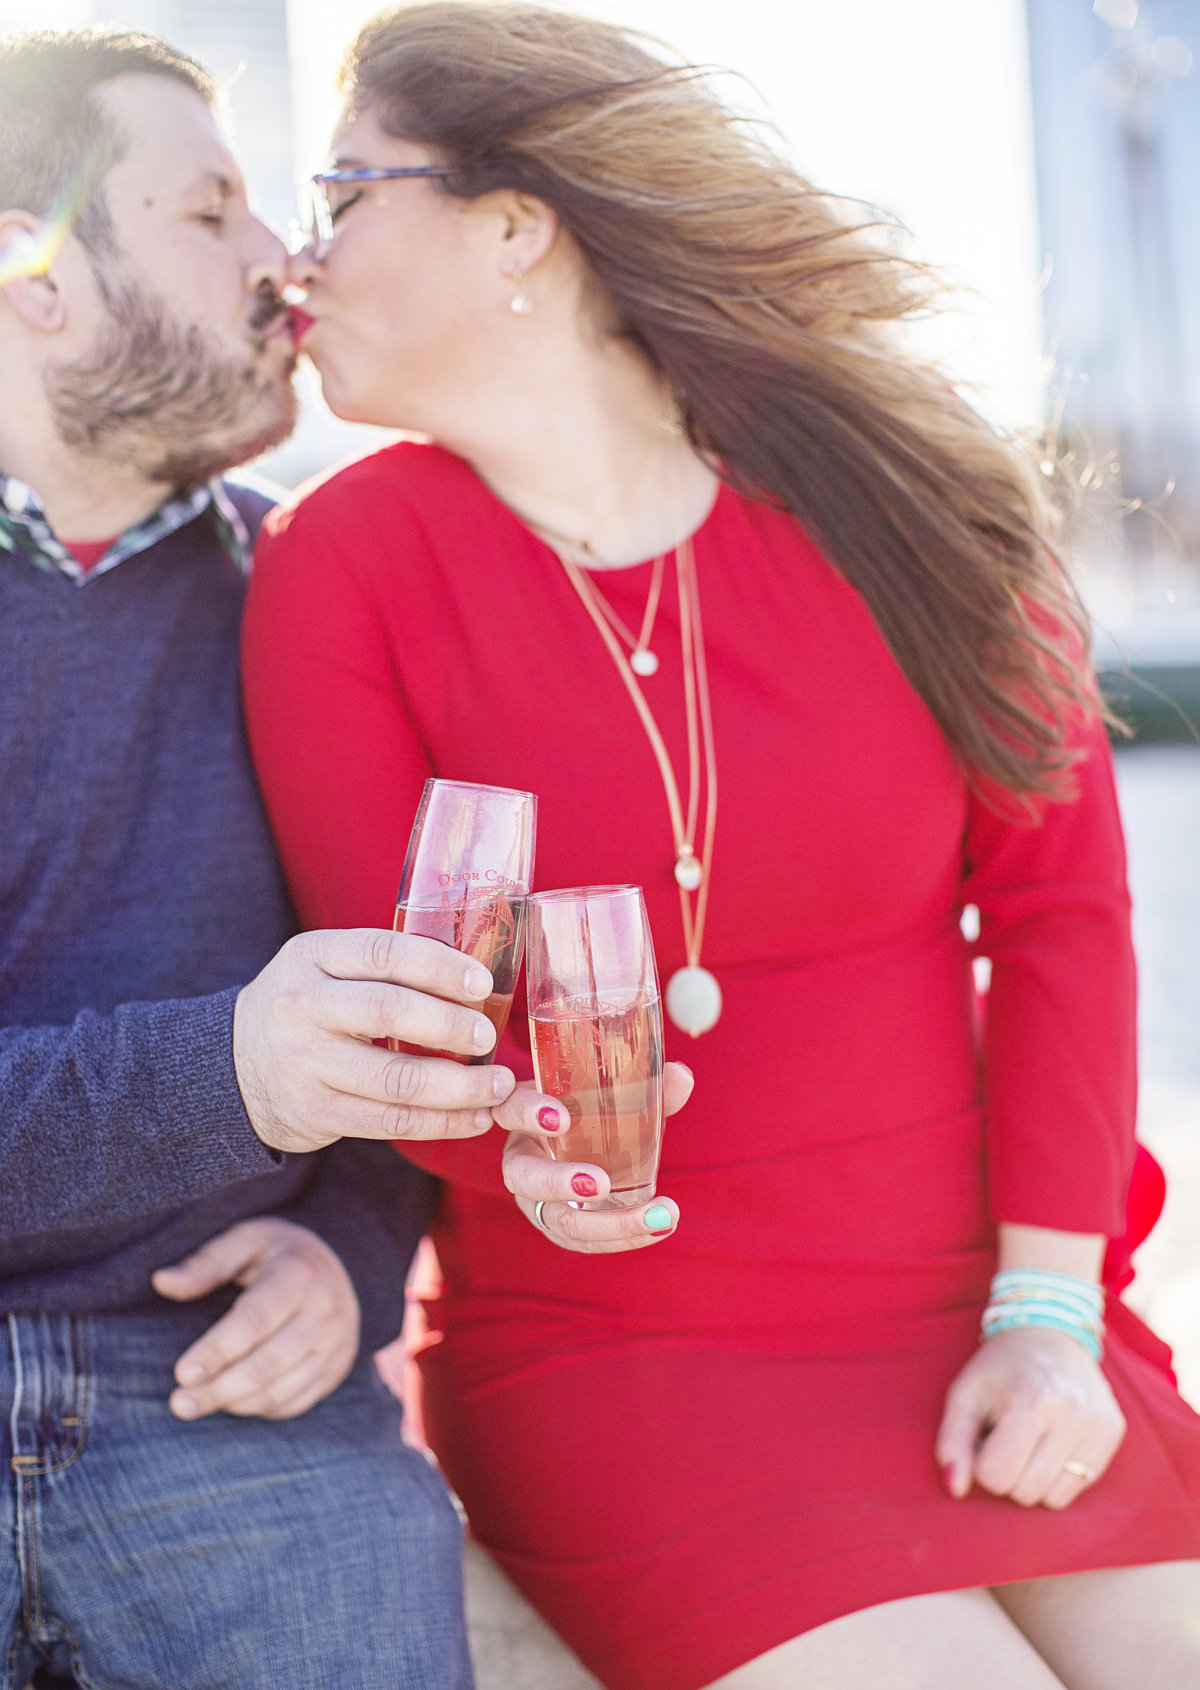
(921, 107)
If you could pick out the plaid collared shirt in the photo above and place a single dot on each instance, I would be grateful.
(25, 531)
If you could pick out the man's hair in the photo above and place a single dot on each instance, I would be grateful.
(56, 142)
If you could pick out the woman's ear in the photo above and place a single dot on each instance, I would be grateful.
(28, 248)
(529, 228)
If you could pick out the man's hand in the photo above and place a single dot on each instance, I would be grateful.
(1029, 1401)
(302, 1033)
(289, 1339)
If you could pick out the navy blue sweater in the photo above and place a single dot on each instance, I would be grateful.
(139, 890)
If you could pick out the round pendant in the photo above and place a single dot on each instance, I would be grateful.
(643, 662)
(693, 1000)
(688, 872)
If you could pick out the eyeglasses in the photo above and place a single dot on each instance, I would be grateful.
(332, 192)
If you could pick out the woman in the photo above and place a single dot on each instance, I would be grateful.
(684, 484)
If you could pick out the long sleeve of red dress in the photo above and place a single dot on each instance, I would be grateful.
(338, 751)
(1059, 1044)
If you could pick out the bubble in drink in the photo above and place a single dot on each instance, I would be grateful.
(604, 1063)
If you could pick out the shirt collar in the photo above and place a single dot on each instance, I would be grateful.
(25, 530)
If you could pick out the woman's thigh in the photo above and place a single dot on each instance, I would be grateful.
(938, 1642)
(1112, 1629)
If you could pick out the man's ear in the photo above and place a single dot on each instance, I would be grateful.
(28, 248)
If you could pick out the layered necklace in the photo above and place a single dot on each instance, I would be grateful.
(642, 659)
(693, 997)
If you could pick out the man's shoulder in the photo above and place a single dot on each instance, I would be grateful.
(252, 496)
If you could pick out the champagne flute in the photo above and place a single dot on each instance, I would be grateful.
(465, 881)
(595, 1021)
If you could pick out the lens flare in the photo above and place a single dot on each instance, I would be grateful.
(31, 252)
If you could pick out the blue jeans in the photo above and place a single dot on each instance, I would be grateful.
(144, 1553)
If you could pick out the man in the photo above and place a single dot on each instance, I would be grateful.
(152, 1102)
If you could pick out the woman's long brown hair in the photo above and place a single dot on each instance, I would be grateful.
(770, 315)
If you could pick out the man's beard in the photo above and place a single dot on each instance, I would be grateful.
(162, 398)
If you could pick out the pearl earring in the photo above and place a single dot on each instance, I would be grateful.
(520, 304)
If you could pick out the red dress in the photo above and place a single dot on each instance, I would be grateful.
(688, 1454)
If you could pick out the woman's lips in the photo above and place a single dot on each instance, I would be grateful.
(299, 322)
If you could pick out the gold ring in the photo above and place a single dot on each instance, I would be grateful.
(539, 1219)
(1080, 1470)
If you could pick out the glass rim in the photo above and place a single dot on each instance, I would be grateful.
(480, 786)
(562, 894)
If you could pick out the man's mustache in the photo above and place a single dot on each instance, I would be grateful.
(267, 310)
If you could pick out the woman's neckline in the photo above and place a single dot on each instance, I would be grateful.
(595, 568)
(645, 562)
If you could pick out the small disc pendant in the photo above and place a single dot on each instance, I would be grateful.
(688, 871)
(693, 1000)
(643, 662)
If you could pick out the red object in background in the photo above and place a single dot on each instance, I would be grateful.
(1147, 1194)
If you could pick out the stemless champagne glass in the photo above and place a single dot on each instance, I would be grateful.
(595, 1020)
(466, 879)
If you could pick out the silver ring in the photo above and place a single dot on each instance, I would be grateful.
(539, 1219)
(1080, 1470)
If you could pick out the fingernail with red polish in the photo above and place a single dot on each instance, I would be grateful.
(548, 1120)
(583, 1185)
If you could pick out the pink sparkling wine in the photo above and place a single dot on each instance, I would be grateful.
(605, 1065)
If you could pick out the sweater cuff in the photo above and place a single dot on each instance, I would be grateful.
(194, 1080)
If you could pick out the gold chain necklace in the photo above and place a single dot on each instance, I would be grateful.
(641, 659)
(693, 997)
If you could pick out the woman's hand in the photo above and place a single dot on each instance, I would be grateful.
(1029, 1401)
(532, 1175)
(289, 1339)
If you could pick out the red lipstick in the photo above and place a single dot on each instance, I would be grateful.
(299, 322)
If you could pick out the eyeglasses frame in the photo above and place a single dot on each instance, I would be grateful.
(319, 228)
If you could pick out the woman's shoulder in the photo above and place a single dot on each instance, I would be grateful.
(412, 482)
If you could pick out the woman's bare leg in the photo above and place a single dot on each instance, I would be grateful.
(942, 1642)
(1109, 1630)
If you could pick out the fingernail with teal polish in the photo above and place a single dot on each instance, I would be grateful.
(659, 1219)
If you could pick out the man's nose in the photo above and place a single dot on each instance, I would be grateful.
(267, 264)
